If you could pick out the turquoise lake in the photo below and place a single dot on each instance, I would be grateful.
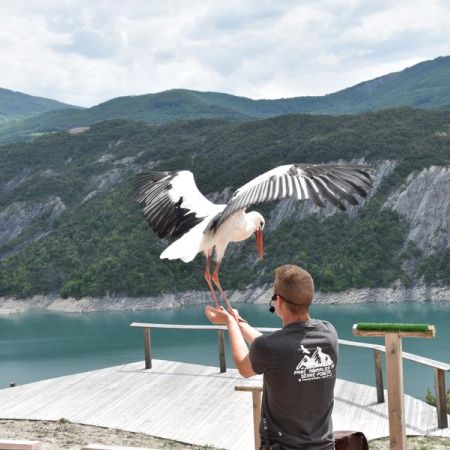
(44, 344)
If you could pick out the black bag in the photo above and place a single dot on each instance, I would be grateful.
(350, 440)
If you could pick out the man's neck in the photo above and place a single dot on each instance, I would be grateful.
(292, 318)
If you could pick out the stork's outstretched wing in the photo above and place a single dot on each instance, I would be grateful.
(172, 202)
(321, 182)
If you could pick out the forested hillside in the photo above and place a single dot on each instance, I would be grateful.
(16, 105)
(67, 224)
(425, 85)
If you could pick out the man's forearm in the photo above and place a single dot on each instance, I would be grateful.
(239, 349)
(248, 332)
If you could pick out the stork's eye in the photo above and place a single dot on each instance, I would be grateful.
(261, 225)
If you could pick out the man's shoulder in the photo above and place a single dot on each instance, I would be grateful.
(307, 328)
(326, 328)
(324, 324)
(311, 324)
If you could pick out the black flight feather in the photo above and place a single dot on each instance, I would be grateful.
(164, 214)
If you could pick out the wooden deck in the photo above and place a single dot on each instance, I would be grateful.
(189, 403)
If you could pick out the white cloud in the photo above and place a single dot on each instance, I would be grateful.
(83, 52)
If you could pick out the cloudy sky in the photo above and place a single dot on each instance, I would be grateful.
(84, 52)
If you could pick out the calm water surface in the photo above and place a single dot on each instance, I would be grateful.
(39, 345)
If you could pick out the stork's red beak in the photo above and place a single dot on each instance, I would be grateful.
(259, 243)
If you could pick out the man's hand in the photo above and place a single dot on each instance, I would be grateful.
(218, 316)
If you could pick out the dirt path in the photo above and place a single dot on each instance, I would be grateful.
(64, 435)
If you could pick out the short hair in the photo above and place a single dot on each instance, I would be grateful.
(295, 285)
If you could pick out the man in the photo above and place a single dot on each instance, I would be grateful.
(298, 364)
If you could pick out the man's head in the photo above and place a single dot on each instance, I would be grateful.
(294, 285)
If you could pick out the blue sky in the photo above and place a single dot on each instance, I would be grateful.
(85, 52)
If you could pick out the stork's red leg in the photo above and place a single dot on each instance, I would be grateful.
(215, 278)
(208, 280)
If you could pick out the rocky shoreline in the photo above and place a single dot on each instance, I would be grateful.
(417, 294)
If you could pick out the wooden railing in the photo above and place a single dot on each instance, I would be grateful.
(439, 367)
(147, 339)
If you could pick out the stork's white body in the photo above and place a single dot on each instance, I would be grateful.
(238, 227)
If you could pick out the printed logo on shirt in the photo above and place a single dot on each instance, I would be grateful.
(318, 365)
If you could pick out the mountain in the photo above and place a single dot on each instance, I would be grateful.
(68, 227)
(16, 105)
(425, 85)
(155, 109)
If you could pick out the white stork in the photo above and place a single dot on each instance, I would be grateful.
(174, 206)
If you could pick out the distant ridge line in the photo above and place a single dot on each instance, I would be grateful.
(423, 86)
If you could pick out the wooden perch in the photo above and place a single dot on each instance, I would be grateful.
(393, 334)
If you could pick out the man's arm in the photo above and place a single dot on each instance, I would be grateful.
(248, 332)
(239, 349)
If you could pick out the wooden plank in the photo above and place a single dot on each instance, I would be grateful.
(221, 345)
(441, 400)
(394, 375)
(254, 388)
(256, 403)
(427, 361)
(365, 415)
(177, 327)
(361, 345)
(411, 334)
(378, 376)
(16, 444)
(353, 398)
(409, 356)
(147, 348)
(410, 412)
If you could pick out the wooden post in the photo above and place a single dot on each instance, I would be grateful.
(221, 343)
(378, 375)
(148, 348)
(394, 376)
(256, 404)
(393, 333)
(439, 381)
(256, 398)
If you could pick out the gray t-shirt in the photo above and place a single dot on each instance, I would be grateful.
(299, 367)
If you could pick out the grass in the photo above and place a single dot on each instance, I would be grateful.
(417, 327)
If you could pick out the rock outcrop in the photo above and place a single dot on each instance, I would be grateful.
(19, 216)
(423, 201)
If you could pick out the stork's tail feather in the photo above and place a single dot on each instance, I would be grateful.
(170, 253)
(185, 248)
